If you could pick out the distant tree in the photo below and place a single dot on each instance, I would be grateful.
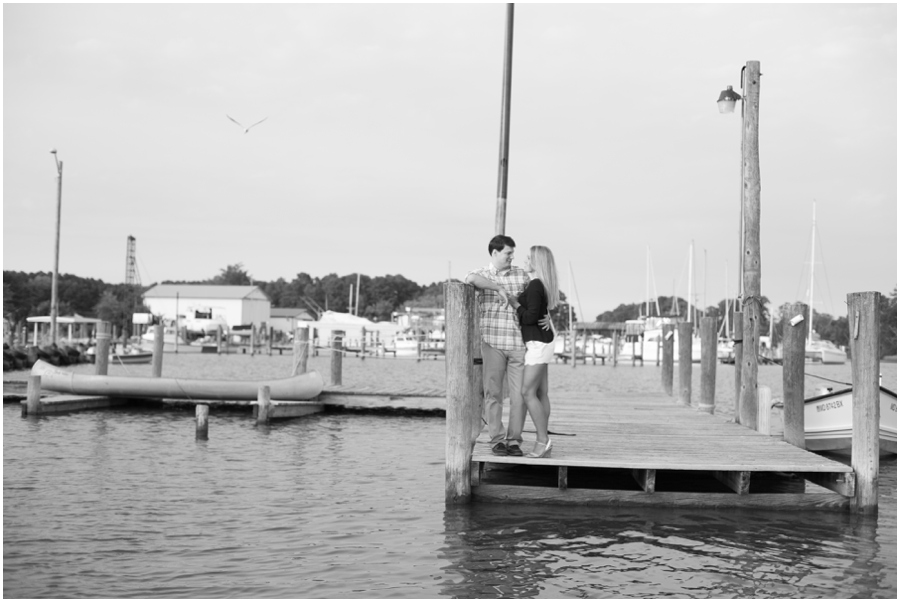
(234, 275)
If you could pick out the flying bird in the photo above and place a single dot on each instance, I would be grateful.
(247, 129)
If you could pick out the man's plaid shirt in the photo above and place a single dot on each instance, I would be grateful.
(499, 322)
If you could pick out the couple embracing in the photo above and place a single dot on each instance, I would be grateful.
(516, 342)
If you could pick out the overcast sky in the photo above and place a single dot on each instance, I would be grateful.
(380, 151)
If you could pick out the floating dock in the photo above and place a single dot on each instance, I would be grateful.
(646, 450)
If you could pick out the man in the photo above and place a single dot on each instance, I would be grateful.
(501, 344)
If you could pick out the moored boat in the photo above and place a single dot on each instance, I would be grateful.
(828, 421)
(296, 388)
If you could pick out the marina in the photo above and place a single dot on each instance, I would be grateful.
(315, 535)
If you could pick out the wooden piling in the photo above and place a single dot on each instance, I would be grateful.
(584, 345)
(202, 415)
(32, 406)
(668, 361)
(573, 334)
(269, 336)
(337, 356)
(752, 262)
(301, 351)
(794, 326)
(708, 357)
(738, 362)
(252, 339)
(218, 340)
(463, 414)
(263, 404)
(685, 362)
(764, 410)
(101, 350)
(864, 320)
(615, 357)
(362, 343)
(158, 342)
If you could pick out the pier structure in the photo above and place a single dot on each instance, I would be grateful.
(649, 449)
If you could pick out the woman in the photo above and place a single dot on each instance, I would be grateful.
(540, 295)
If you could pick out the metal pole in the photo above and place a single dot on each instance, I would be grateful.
(503, 176)
(54, 287)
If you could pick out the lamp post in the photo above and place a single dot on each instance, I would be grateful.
(750, 265)
(54, 287)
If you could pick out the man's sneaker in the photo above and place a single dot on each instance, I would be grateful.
(499, 449)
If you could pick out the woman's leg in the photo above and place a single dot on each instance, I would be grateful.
(534, 375)
(543, 392)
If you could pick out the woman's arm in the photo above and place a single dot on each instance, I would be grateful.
(530, 312)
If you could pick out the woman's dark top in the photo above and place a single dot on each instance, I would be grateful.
(533, 307)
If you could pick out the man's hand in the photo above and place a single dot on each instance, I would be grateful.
(503, 295)
(546, 323)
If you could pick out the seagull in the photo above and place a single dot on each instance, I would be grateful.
(240, 124)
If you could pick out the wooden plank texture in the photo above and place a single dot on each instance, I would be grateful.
(650, 433)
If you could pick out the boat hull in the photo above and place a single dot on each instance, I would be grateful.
(302, 387)
(828, 422)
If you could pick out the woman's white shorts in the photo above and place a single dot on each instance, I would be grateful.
(537, 352)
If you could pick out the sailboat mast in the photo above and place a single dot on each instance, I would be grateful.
(647, 287)
(690, 317)
(812, 274)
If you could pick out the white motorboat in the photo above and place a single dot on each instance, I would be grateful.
(824, 352)
(828, 421)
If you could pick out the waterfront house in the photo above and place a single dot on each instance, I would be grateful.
(209, 304)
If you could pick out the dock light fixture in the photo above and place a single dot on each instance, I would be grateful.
(727, 99)
(54, 286)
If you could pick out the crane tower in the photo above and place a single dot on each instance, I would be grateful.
(131, 271)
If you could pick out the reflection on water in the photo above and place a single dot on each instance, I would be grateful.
(496, 551)
(125, 503)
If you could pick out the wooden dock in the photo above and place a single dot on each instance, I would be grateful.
(644, 449)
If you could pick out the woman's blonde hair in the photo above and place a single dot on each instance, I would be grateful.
(544, 267)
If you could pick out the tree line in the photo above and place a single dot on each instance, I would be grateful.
(28, 294)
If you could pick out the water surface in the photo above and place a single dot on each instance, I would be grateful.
(125, 503)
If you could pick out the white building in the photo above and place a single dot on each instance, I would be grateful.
(233, 305)
(287, 319)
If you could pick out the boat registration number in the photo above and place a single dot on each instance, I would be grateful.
(829, 405)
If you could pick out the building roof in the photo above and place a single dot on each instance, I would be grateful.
(76, 319)
(300, 313)
(205, 291)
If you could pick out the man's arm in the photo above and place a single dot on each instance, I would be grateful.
(479, 281)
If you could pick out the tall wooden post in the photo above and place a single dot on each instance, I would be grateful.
(101, 350)
(503, 172)
(794, 321)
(219, 339)
(752, 304)
(738, 362)
(362, 342)
(865, 323)
(668, 357)
(707, 365)
(464, 402)
(158, 343)
(270, 332)
(201, 414)
(301, 350)
(685, 362)
(252, 339)
(337, 356)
